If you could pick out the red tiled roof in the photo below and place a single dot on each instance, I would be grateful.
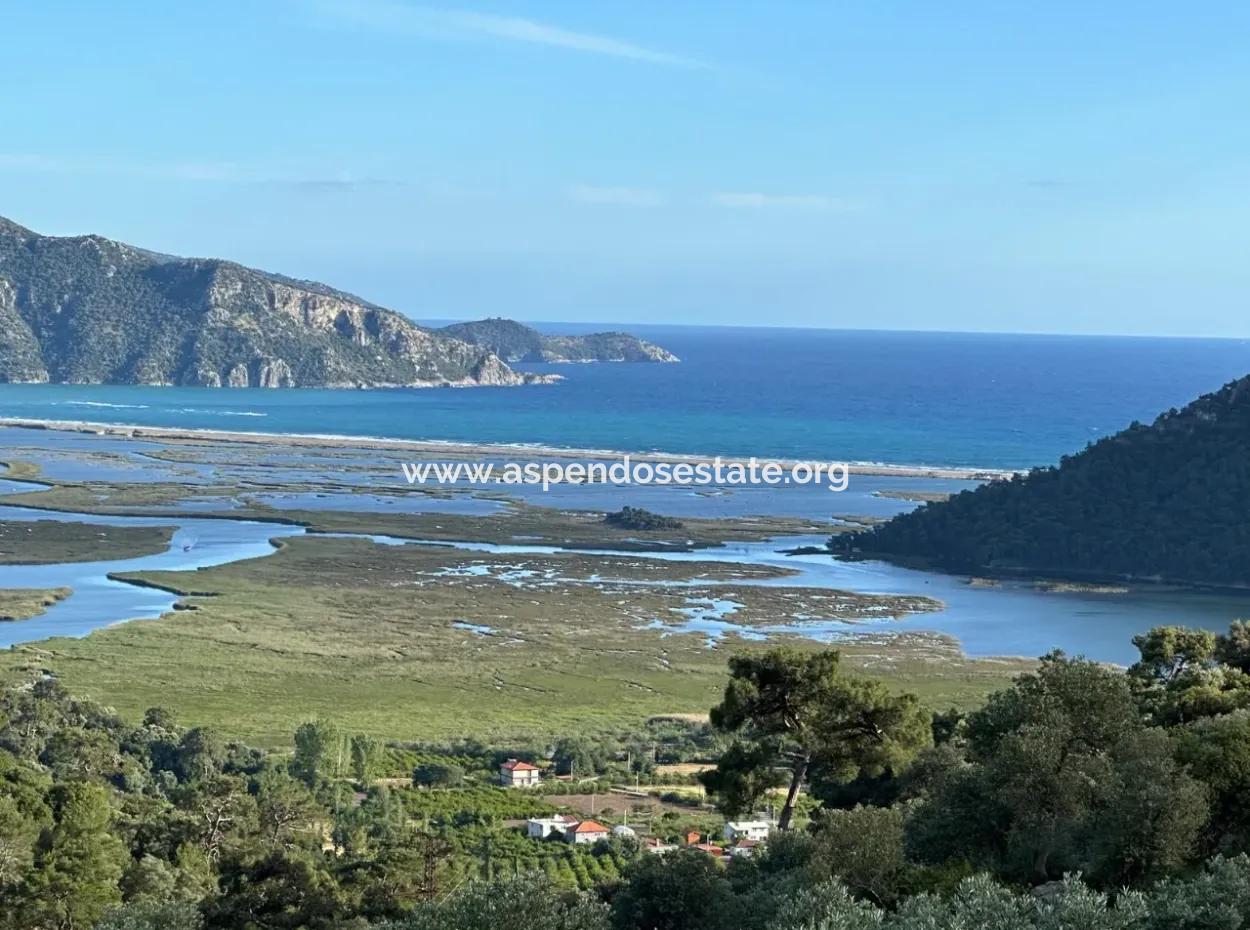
(590, 826)
(513, 765)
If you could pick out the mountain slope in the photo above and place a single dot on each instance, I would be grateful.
(1169, 501)
(515, 342)
(87, 310)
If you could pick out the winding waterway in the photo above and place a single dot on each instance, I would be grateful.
(1008, 619)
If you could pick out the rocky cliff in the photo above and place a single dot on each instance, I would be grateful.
(89, 310)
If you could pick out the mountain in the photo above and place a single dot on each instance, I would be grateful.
(515, 342)
(1166, 502)
(89, 310)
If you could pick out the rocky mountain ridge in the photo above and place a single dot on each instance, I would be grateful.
(91, 310)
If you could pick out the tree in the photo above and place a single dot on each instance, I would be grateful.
(794, 709)
(74, 878)
(283, 806)
(576, 755)
(684, 890)
(319, 753)
(437, 774)
(364, 756)
(201, 754)
(221, 809)
(150, 880)
(1180, 677)
(863, 848)
(281, 891)
(528, 901)
(150, 915)
(1153, 814)
(408, 868)
(1216, 751)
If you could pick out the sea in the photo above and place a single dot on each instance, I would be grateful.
(952, 399)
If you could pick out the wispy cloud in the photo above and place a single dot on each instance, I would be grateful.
(394, 17)
(757, 201)
(616, 196)
(200, 172)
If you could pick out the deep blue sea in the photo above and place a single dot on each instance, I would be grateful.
(1003, 401)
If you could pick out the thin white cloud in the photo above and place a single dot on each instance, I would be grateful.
(177, 171)
(757, 201)
(394, 17)
(616, 196)
(207, 172)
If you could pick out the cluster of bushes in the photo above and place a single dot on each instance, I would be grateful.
(635, 518)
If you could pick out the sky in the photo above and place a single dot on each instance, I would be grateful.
(1024, 167)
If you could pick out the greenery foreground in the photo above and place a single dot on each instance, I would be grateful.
(1077, 797)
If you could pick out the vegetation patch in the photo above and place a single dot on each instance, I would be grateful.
(28, 603)
(45, 542)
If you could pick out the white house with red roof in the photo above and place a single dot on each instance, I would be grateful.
(588, 831)
(517, 774)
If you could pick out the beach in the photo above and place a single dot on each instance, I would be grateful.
(439, 448)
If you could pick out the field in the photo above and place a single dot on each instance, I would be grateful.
(365, 635)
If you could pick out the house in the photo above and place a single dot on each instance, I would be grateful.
(714, 851)
(756, 830)
(539, 828)
(653, 844)
(745, 849)
(588, 831)
(692, 839)
(517, 774)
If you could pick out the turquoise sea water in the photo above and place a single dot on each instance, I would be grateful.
(916, 398)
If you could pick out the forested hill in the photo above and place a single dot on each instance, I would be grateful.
(1168, 501)
(515, 342)
(90, 310)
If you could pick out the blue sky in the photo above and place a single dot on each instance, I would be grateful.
(1052, 167)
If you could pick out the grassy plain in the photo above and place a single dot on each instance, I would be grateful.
(364, 634)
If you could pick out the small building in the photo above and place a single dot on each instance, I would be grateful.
(756, 830)
(745, 849)
(586, 832)
(692, 839)
(539, 828)
(625, 831)
(656, 846)
(711, 849)
(517, 774)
